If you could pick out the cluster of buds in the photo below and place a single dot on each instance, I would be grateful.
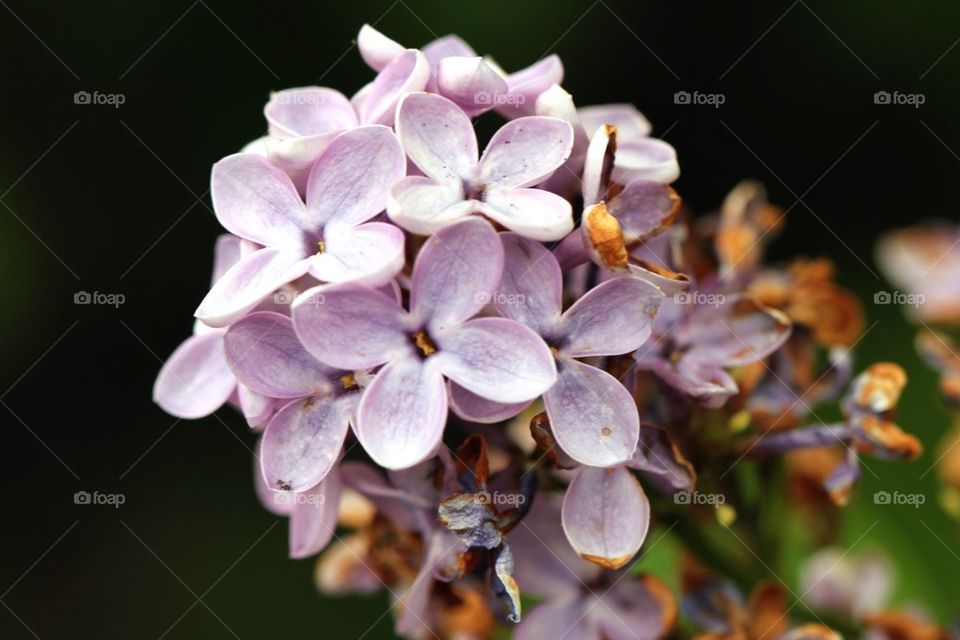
(496, 372)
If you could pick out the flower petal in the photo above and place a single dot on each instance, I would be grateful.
(645, 159)
(247, 283)
(534, 213)
(265, 354)
(658, 457)
(637, 607)
(308, 111)
(531, 289)
(644, 208)
(527, 84)
(423, 206)
(456, 273)
(526, 151)
(313, 518)
(706, 382)
(606, 515)
(294, 156)
(614, 317)
(226, 252)
(303, 441)
(370, 254)
(736, 331)
(402, 413)
(376, 49)
(496, 358)
(350, 180)
(474, 408)
(593, 416)
(256, 407)
(446, 47)
(408, 72)
(195, 381)
(350, 326)
(470, 83)
(629, 122)
(564, 617)
(437, 136)
(255, 200)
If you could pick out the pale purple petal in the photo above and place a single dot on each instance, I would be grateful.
(644, 208)
(471, 83)
(527, 84)
(593, 416)
(614, 317)
(294, 156)
(423, 206)
(276, 503)
(195, 381)
(647, 159)
(456, 273)
(408, 72)
(670, 282)
(629, 122)
(437, 136)
(531, 289)
(350, 326)
(265, 354)
(546, 565)
(226, 252)
(303, 441)
(414, 604)
(472, 407)
(736, 331)
(308, 111)
(561, 618)
(446, 47)
(398, 505)
(534, 213)
(658, 458)
(376, 49)
(247, 283)
(525, 152)
(257, 201)
(256, 408)
(606, 515)
(402, 413)
(496, 358)
(351, 178)
(706, 382)
(371, 254)
(313, 519)
(597, 165)
(629, 611)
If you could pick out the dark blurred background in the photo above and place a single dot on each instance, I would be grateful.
(114, 200)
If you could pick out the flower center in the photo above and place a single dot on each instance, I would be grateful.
(424, 344)
(348, 381)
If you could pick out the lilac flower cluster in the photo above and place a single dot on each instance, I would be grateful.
(547, 307)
